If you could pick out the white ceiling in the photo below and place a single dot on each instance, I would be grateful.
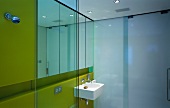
(104, 9)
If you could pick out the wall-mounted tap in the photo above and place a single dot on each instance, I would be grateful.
(86, 101)
(83, 80)
(88, 78)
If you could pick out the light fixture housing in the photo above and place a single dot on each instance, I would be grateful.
(89, 12)
(71, 15)
(116, 1)
(44, 16)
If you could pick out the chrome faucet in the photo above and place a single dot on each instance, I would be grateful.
(88, 78)
(83, 80)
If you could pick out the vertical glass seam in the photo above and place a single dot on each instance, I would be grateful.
(125, 62)
(77, 32)
(69, 47)
(85, 43)
(59, 41)
(36, 55)
(47, 62)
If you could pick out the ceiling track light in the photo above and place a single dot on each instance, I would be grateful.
(116, 1)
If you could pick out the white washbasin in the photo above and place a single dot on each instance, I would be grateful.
(93, 91)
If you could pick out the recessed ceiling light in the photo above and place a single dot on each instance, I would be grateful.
(71, 15)
(110, 25)
(89, 12)
(44, 16)
(116, 1)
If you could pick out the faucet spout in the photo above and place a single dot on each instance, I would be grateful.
(88, 78)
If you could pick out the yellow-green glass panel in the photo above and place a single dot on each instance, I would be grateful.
(17, 42)
(26, 100)
(65, 99)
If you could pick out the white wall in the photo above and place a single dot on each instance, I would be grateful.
(149, 41)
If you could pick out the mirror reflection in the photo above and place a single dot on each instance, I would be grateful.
(63, 42)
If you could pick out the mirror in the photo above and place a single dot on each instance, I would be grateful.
(89, 43)
(82, 47)
(58, 39)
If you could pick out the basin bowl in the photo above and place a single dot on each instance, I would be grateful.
(92, 92)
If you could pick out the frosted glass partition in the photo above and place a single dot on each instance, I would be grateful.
(108, 62)
(131, 59)
(149, 58)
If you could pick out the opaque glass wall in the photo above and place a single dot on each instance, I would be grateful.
(131, 59)
(108, 62)
(148, 44)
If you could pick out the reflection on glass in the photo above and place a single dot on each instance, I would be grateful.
(42, 60)
(70, 3)
(52, 51)
(59, 44)
(48, 46)
(89, 43)
(67, 40)
(82, 33)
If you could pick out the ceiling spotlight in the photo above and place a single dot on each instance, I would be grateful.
(71, 15)
(89, 12)
(44, 16)
(116, 1)
(110, 25)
